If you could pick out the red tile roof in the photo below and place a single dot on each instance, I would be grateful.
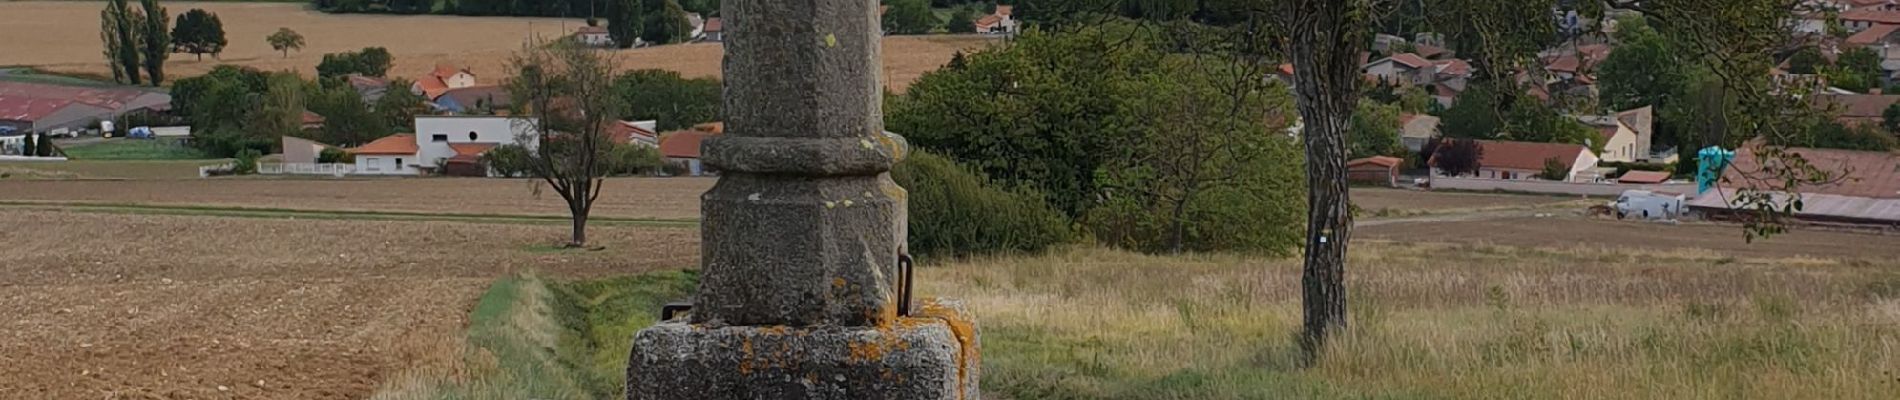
(310, 118)
(399, 144)
(1650, 177)
(445, 71)
(596, 30)
(29, 109)
(1383, 161)
(1410, 60)
(623, 132)
(1004, 10)
(1857, 105)
(469, 151)
(713, 24)
(1526, 155)
(1430, 51)
(713, 127)
(1872, 35)
(1453, 67)
(1872, 174)
(682, 144)
(1871, 15)
(432, 87)
(112, 99)
(989, 20)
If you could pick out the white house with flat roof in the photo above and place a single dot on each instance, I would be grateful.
(440, 138)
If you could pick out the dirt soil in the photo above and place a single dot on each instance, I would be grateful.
(1570, 232)
(662, 198)
(65, 39)
(177, 307)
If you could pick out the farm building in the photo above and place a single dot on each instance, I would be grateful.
(681, 148)
(1526, 160)
(999, 22)
(593, 36)
(35, 107)
(1865, 189)
(713, 31)
(1374, 170)
(1417, 129)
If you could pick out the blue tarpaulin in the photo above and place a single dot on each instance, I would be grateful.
(1710, 161)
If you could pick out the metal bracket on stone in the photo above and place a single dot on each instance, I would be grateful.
(673, 309)
(904, 294)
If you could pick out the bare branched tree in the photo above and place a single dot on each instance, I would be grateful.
(565, 100)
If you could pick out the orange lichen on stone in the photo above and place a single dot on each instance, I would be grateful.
(964, 328)
(745, 362)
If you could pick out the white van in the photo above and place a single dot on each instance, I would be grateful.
(1648, 205)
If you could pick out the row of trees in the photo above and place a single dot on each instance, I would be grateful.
(547, 8)
(236, 108)
(137, 42)
(650, 21)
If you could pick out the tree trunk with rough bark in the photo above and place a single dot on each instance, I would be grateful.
(1327, 38)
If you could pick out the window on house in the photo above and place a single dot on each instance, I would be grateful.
(472, 136)
(399, 163)
(439, 138)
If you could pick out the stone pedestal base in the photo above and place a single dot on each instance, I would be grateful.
(932, 357)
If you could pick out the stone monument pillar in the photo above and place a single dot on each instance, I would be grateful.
(798, 294)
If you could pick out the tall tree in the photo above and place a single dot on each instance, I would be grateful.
(399, 107)
(198, 32)
(155, 41)
(1375, 131)
(1643, 71)
(283, 107)
(285, 40)
(910, 17)
(347, 121)
(1325, 40)
(568, 90)
(123, 45)
(668, 24)
(625, 18)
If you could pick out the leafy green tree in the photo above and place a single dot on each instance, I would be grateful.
(1374, 131)
(957, 212)
(1856, 69)
(567, 90)
(910, 17)
(1643, 71)
(119, 30)
(1415, 100)
(1554, 170)
(154, 41)
(1807, 60)
(246, 163)
(1890, 118)
(398, 108)
(625, 19)
(668, 25)
(370, 61)
(281, 113)
(665, 96)
(962, 20)
(635, 159)
(285, 40)
(199, 32)
(347, 121)
(1474, 115)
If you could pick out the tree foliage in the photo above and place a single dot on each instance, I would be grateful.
(1643, 71)
(285, 40)
(910, 17)
(370, 61)
(120, 29)
(957, 212)
(1374, 131)
(1458, 156)
(199, 32)
(568, 91)
(676, 102)
(347, 121)
(625, 21)
(667, 25)
(154, 40)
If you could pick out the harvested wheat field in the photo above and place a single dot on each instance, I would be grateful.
(1709, 239)
(644, 198)
(65, 38)
(1400, 201)
(141, 306)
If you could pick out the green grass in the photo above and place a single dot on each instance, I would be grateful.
(119, 149)
(110, 170)
(529, 338)
(29, 75)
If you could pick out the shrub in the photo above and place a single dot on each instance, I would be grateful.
(634, 159)
(331, 156)
(246, 162)
(510, 160)
(956, 212)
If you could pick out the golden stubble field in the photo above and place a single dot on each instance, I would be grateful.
(644, 198)
(63, 36)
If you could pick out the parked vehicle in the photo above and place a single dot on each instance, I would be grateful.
(1648, 205)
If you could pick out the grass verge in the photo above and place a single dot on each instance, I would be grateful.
(529, 338)
(134, 149)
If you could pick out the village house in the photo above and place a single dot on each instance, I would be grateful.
(1402, 68)
(1377, 170)
(440, 80)
(1417, 129)
(713, 31)
(369, 87)
(999, 22)
(1856, 109)
(391, 155)
(1860, 19)
(1525, 160)
(484, 99)
(56, 109)
(595, 36)
(681, 149)
(1626, 134)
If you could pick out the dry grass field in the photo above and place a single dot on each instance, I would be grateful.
(645, 198)
(102, 306)
(1399, 201)
(65, 38)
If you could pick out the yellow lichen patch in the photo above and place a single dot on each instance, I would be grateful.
(964, 328)
(745, 361)
(837, 283)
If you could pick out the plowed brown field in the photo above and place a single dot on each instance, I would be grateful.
(658, 198)
(105, 306)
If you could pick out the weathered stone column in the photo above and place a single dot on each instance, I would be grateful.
(798, 290)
